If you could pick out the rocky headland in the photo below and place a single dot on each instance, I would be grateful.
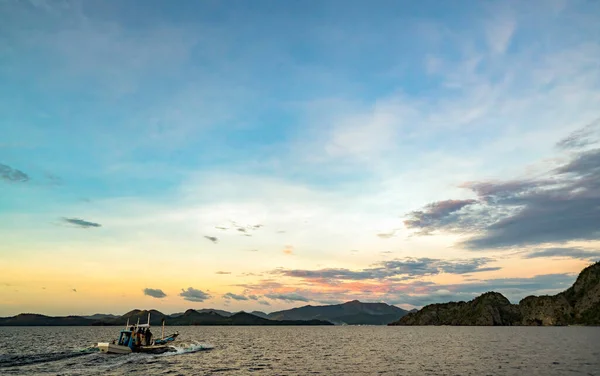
(578, 305)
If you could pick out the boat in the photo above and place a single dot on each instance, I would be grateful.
(134, 338)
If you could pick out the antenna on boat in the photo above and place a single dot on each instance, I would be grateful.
(163, 329)
(127, 325)
(148, 319)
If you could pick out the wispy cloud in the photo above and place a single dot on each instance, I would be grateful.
(233, 296)
(78, 222)
(194, 295)
(574, 253)
(580, 138)
(155, 293)
(388, 235)
(500, 30)
(288, 250)
(222, 272)
(291, 297)
(13, 175)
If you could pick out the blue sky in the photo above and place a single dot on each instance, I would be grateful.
(328, 122)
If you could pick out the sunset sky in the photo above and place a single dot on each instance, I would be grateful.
(262, 155)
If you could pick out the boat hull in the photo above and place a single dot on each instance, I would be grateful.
(111, 348)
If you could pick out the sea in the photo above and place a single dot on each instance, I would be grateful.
(312, 350)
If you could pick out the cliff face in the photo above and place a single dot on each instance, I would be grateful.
(580, 304)
(490, 309)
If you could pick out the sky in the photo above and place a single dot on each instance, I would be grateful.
(269, 154)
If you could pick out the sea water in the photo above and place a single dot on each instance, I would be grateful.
(340, 350)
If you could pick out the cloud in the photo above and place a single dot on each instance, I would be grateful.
(288, 250)
(10, 174)
(436, 214)
(264, 302)
(155, 293)
(407, 268)
(583, 137)
(388, 235)
(193, 295)
(560, 207)
(81, 223)
(574, 253)
(291, 297)
(499, 32)
(213, 239)
(222, 272)
(253, 297)
(419, 293)
(233, 296)
(74, 290)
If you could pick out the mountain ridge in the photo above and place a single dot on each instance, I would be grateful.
(577, 305)
(350, 313)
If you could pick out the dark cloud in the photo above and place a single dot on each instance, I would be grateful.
(436, 214)
(74, 290)
(213, 239)
(574, 253)
(264, 302)
(291, 297)
(222, 228)
(155, 293)
(253, 297)
(233, 296)
(221, 272)
(193, 295)
(565, 206)
(407, 268)
(81, 223)
(10, 174)
(586, 136)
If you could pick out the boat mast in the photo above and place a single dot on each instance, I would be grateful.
(163, 329)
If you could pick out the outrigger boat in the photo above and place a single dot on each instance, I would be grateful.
(138, 338)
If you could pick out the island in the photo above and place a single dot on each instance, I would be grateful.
(578, 305)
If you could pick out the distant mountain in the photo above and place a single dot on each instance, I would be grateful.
(133, 317)
(101, 316)
(193, 317)
(31, 319)
(260, 314)
(219, 311)
(579, 304)
(350, 313)
(189, 317)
